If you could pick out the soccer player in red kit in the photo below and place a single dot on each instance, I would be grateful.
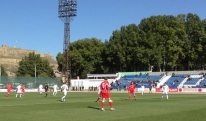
(9, 88)
(131, 90)
(105, 94)
(22, 89)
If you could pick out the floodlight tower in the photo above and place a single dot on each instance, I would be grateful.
(67, 11)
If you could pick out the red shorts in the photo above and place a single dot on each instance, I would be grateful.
(105, 95)
(8, 90)
(131, 91)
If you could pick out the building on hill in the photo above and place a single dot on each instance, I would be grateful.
(11, 56)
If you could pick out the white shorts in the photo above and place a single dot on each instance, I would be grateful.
(164, 92)
(18, 91)
(65, 93)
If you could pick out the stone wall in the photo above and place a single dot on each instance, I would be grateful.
(10, 57)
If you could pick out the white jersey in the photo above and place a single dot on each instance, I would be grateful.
(40, 86)
(55, 87)
(165, 89)
(64, 88)
(142, 87)
(18, 89)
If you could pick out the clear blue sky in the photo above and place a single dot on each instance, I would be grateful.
(34, 24)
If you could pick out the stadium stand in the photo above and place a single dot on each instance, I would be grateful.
(202, 84)
(140, 79)
(174, 81)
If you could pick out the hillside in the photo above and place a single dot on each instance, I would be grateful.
(10, 57)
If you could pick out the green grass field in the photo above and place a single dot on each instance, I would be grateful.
(81, 106)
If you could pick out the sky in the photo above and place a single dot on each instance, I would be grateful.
(34, 24)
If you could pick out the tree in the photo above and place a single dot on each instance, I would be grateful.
(123, 51)
(165, 37)
(28, 63)
(60, 58)
(3, 72)
(86, 57)
(166, 42)
(203, 42)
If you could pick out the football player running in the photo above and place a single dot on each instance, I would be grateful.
(64, 89)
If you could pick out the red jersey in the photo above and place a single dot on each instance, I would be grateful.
(104, 86)
(131, 88)
(9, 87)
(22, 87)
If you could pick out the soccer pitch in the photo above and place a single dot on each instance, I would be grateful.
(81, 106)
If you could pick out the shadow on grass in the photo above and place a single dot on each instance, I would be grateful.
(125, 99)
(94, 108)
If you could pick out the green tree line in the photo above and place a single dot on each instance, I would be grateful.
(164, 42)
(2, 71)
(33, 65)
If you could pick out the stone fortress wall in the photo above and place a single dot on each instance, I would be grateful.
(11, 56)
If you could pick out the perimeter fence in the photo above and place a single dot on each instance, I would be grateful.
(29, 82)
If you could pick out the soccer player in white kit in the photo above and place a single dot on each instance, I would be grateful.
(99, 93)
(40, 88)
(64, 89)
(55, 87)
(165, 90)
(142, 88)
(18, 91)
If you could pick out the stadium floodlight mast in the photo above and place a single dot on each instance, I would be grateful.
(67, 10)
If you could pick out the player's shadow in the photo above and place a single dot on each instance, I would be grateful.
(124, 99)
(93, 108)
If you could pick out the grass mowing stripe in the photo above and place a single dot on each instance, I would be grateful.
(80, 106)
(27, 104)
